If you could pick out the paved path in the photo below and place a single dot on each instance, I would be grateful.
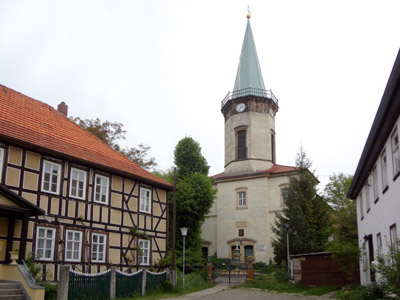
(223, 292)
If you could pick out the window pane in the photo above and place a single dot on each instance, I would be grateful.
(48, 254)
(39, 253)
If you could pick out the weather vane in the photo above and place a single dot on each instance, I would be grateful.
(248, 12)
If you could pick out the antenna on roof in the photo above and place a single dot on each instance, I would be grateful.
(248, 12)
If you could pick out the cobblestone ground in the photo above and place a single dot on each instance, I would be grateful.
(221, 292)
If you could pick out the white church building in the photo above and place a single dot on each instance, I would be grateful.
(250, 190)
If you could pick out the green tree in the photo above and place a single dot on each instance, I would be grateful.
(306, 213)
(188, 158)
(110, 133)
(194, 196)
(344, 246)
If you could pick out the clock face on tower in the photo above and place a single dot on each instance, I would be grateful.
(240, 107)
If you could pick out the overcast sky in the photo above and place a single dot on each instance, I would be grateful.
(162, 68)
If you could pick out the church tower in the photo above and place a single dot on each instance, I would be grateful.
(249, 113)
(250, 191)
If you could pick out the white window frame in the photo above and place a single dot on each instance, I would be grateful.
(98, 247)
(101, 189)
(1, 163)
(45, 239)
(367, 196)
(384, 170)
(284, 191)
(145, 200)
(75, 182)
(51, 175)
(364, 256)
(379, 243)
(242, 199)
(395, 152)
(375, 183)
(144, 259)
(393, 236)
(73, 242)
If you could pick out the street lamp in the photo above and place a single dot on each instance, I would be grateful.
(286, 227)
(184, 233)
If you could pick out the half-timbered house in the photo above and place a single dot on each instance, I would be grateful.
(69, 198)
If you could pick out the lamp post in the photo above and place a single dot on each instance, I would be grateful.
(286, 227)
(184, 233)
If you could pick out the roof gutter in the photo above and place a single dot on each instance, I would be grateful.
(386, 117)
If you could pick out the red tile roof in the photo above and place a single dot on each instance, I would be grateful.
(274, 170)
(32, 122)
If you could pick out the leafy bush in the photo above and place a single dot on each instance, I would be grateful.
(388, 268)
(373, 291)
(219, 263)
(281, 275)
(51, 291)
(263, 268)
(167, 286)
(33, 268)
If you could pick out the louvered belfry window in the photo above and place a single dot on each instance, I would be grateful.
(241, 144)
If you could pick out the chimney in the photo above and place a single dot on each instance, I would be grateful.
(63, 108)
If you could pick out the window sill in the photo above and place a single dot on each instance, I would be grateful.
(244, 207)
(76, 198)
(95, 262)
(101, 203)
(50, 192)
(385, 189)
(396, 176)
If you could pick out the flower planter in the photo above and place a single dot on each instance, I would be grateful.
(14, 254)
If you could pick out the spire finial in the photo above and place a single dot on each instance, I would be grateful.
(248, 12)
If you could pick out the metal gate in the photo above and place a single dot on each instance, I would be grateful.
(231, 272)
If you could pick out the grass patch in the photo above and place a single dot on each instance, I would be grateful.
(193, 282)
(271, 284)
(319, 291)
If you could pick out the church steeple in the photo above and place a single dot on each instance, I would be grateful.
(249, 113)
(249, 71)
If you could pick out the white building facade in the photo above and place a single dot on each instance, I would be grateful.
(376, 183)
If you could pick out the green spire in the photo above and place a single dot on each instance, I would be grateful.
(249, 71)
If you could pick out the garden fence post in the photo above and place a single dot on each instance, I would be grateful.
(250, 271)
(144, 279)
(171, 276)
(113, 283)
(62, 293)
(209, 271)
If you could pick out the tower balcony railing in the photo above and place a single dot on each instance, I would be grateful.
(250, 91)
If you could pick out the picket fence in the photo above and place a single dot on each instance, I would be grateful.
(107, 285)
